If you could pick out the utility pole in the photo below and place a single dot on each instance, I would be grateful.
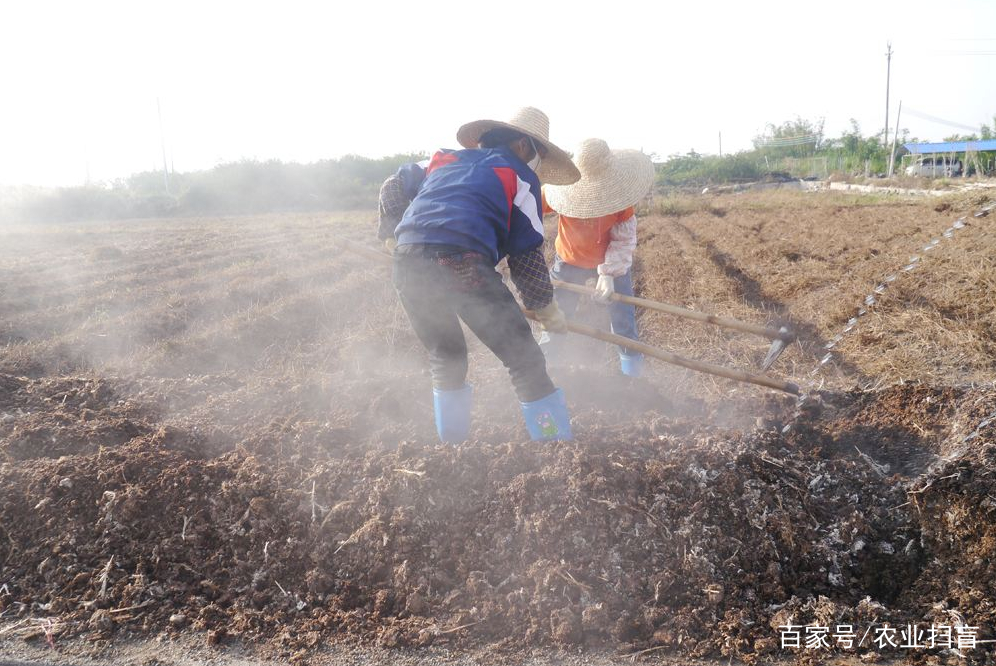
(895, 140)
(162, 138)
(720, 144)
(888, 75)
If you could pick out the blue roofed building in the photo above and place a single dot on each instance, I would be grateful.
(950, 147)
(950, 158)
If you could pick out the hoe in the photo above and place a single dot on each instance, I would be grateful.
(780, 337)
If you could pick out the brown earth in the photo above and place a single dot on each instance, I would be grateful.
(223, 428)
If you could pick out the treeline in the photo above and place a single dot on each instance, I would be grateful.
(793, 149)
(247, 186)
(799, 149)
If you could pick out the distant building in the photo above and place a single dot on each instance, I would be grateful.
(949, 158)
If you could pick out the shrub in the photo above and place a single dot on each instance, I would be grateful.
(248, 186)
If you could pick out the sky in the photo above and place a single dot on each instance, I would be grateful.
(83, 82)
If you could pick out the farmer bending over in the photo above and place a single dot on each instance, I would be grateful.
(469, 208)
(596, 237)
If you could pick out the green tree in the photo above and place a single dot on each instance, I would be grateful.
(988, 132)
(792, 138)
(853, 146)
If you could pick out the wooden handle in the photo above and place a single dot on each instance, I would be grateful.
(763, 331)
(591, 332)
(364, 250)
(675, 359)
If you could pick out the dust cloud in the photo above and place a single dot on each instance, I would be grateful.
(224, 426)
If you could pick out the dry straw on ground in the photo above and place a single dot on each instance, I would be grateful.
(227, 431)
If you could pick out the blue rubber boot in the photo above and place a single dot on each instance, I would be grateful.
(547, 418)
(631, 364)
(453, 414)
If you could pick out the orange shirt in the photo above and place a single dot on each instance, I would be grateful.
(582, 242)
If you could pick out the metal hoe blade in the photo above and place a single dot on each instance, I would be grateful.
(775, 350)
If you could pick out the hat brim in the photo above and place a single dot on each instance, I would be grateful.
(623, 184)
(555, 169)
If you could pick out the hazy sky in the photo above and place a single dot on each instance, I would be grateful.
(307, 80)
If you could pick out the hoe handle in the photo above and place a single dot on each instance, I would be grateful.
(763, 331)
(675, 359)
(591, 332)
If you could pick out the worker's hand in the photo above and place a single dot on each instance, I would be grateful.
(390, 244)
(604, 288)
(552, 318)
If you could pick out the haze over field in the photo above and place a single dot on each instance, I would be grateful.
(220, 429)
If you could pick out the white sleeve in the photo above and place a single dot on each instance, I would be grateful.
(619, 253)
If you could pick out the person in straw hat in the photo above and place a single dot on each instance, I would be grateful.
(468, 209)
(596, 236)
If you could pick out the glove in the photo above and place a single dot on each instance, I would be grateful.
(390, 244)
(604, 288)
(552, 318)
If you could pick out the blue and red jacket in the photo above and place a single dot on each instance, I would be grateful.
(485, 200)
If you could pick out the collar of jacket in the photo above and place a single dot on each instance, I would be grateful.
(512, 157)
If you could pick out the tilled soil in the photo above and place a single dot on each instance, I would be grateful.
(265, 471)
(701, 539)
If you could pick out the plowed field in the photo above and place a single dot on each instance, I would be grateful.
(223, 428)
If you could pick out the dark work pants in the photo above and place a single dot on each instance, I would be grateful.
(439, 286)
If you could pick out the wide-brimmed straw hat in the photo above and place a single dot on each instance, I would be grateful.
(611, 181)
(556, 168)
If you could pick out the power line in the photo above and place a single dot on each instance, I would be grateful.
(964, 53)
(942, 121)
(781, 141)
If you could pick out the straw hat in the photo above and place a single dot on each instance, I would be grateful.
(555, 169)
(611, 180)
